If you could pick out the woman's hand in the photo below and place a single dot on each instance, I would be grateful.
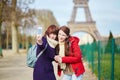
(58, 59)
(39, 39)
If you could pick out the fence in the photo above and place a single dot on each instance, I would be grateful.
(103, 58)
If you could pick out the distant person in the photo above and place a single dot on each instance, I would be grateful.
(69, 56)
(43, 69)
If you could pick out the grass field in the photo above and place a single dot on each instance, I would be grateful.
(106, 66)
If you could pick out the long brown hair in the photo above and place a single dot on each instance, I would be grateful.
(52, 29)
(66, 30)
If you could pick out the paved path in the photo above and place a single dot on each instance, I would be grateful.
(13, 67)
(88, 75)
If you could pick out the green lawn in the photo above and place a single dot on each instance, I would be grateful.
(105, 67)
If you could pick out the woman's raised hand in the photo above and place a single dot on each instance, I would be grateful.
(39, 39)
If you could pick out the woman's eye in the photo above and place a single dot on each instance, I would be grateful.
(59, 34)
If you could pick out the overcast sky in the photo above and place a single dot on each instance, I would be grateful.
(106, 13)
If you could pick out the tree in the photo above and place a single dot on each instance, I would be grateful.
(1, 10)
(108, 48)
(110, 35)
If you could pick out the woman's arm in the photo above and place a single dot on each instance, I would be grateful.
(40, 47)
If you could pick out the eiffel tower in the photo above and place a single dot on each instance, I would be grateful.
(88, 26)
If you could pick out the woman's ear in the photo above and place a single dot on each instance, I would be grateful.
(68, 36)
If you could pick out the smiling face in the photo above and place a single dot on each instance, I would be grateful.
(52, 36)
(61, 36)
(52, 32)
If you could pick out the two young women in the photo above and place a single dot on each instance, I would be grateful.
(69, 56)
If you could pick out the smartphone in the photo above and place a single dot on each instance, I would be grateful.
(39, 30)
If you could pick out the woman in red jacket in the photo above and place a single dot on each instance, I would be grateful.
(69, 56)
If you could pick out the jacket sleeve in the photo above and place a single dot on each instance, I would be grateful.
(41, 47)
(75, 54)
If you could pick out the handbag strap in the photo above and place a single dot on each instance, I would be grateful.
(42, 51)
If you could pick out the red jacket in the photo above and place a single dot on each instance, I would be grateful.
(75, 57)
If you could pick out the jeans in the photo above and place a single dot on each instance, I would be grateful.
(72, 77)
